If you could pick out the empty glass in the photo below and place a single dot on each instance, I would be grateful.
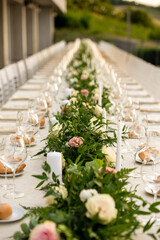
(14, 157)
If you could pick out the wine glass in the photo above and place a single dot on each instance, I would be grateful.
(19, 120)
(150, 174)
(5, 185)
(14, 157)
(27, 127)
(135, 145)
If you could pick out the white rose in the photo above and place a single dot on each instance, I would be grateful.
(62, 190)
(96, 90)
(53, 120)
(93, 125)
(103, 205)
(110, 154)
(56, 129)
(74, 94)
(95, 97)
(92, 83)
(51, 200)
(73, 100)
(72, 80)
(66, 102)
(85, 194)
(97, 110)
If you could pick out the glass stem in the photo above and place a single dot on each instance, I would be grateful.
(14, 186)
(155, 200)
(5, 181)
(135, 160)
(29, 149)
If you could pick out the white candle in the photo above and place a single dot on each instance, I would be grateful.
(54, 159)
(100, 93)
(119, 137)
(104, 116)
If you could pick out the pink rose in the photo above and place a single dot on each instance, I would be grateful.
(84, 77)
(75, 142)
(45, 231)
(108, 170)
(84, 92)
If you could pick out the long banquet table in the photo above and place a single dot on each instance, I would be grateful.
(26, 183)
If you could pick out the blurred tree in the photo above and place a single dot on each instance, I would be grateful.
(102, 7)
(140, 17)
(155, 34)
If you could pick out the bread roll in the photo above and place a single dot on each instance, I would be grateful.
(132, 135)
(48, 102)
(5, 211)
(26, 140)
(19, 169)
(42, 121)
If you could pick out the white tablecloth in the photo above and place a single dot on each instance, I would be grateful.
(26, 183)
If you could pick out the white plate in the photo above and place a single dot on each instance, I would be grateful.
(41, 127)
(148, 190)
(17, 213)
(11, 174)
(140, 161)
(32, 144)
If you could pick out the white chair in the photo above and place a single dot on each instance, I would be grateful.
(1, 92)
(13, 77)
(5, 85)
(22, 72)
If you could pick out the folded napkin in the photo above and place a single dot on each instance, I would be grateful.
(7, 129)
(20, 94)
(139, 95)
(30, 89)
(15, 108)
(8, 117)
(150, 110)
(35, 82)
(153, 121)
(131, 83)
(148, 102)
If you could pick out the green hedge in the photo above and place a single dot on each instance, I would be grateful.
(151, 55)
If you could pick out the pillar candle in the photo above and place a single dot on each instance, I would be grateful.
(54, 159)
(104, 116)
(100, 93)
(119, 137)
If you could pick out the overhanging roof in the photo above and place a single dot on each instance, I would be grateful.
(59, 4)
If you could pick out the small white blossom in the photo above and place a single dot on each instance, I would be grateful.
(85, 194)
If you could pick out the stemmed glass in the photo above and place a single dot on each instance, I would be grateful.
(14, 157)
(135, 145)
(4, 186)
(29, 127)
(150, 174)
